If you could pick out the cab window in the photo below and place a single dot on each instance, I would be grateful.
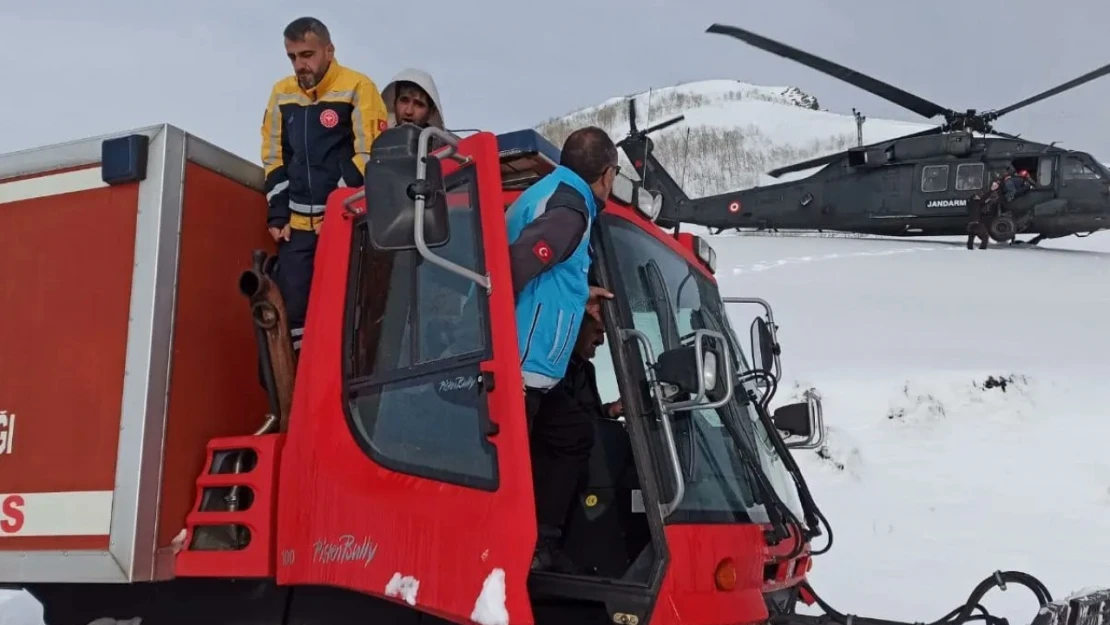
(1073, 168)
(1044, 171)
(934, 178)
(719, 486)
(416, 334)
(969, 176)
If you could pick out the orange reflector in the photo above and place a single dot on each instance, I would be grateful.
(725, 575)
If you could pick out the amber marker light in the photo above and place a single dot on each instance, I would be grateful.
(725, 575)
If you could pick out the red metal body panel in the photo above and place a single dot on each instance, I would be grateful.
(65, 299)
(447, 537)
(689, 595)
(214, 388)
(124, 348)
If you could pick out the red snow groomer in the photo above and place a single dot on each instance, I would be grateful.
(146, 473)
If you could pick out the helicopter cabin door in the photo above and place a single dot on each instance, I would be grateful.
(944, 188)
(407, 473)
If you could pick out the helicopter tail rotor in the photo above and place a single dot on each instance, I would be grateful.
(634, 132)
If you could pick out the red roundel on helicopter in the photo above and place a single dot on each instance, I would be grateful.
(734, 206)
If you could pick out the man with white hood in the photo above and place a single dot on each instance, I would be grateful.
(411, 96)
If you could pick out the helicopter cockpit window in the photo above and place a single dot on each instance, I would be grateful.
(969, 176)
(934, 178)
(1072, 168)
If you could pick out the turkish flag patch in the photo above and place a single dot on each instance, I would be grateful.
(382, 125)
(542, 251)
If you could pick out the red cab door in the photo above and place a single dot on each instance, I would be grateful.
(406, 471)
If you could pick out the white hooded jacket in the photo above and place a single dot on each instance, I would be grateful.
(424, 81)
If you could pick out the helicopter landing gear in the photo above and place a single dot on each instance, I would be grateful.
(1035, 240)
(1002, 228)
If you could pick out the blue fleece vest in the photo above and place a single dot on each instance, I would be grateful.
(549, 309)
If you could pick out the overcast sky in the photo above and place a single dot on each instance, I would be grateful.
(78, 68)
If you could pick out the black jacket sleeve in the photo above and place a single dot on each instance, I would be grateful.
(550, 239)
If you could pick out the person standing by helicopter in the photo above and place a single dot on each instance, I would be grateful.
(978, 216)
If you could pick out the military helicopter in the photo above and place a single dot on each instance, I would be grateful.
(914, 185)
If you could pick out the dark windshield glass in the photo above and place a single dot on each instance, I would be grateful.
(772, 464)
(719, 485)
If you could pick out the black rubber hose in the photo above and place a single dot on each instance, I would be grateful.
(958, 616)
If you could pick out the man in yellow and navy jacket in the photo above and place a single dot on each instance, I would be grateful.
(316, 136)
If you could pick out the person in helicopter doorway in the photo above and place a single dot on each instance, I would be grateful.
(1016, 185)
(1004, 189)
(1007, 187)
(561, 439)
(992, 201)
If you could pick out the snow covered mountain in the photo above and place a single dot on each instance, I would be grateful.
(733, 131)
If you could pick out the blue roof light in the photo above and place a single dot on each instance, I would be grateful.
(526, 141)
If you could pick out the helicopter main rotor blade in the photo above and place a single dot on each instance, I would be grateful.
(888, 92)
(1071, 84)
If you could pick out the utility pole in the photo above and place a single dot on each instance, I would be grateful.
(860, 118)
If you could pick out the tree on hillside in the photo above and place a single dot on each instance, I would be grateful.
(720, 159)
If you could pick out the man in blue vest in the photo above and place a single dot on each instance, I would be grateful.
(549, 240)
(549, 250)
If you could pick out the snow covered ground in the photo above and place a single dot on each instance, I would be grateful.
(930, 480)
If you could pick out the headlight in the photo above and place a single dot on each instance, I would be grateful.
(649, 204)
(709, 371)
(622, 189)
(706, 254)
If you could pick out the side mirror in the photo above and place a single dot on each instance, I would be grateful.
(764, 345)
(392, 186)
(804, 419)
(699, 370)
(764, 340)
(794, 419)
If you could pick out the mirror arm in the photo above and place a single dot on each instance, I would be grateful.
(418, 219)
(816, 436)
(770, 321)
(664, 416)
(696, 401)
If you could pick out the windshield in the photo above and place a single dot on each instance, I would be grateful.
(772, 463)
(1101, 168)
(719, 485)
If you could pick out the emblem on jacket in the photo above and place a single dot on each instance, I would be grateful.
(542, 251)
(329, 118)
